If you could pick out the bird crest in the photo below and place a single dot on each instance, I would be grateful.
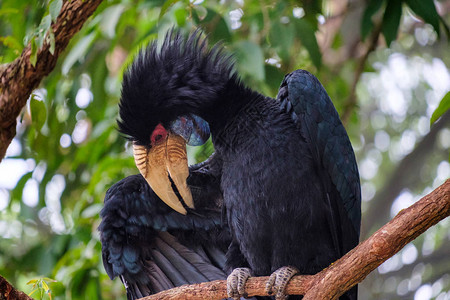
(182, 76)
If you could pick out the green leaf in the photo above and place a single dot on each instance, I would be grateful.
(92, 211)
(281, 37)
(201, 11)
(426, 10)
(57, 288)
(273, 78)
(391, 20)
(167, 4)
(17, 192)
(38, 112)
(77, 52)
(11, 42)
(307, 36)
(32, 281)
(55, 8)
(33, 54)
(180, 15)
(214, 24)
(51, 40)
(109, 22)
(46, 22)
(366, 23)
(312, 10)
(7, 11)
(92, 288)
(442, 108)
(32, 292)
(251, 60)
(45, 285)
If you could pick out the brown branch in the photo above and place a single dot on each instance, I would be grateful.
(218, 289)
(8, 292)
(351, 268)
(19, 78)
(383, 244)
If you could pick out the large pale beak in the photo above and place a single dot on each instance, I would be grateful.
(162, 163)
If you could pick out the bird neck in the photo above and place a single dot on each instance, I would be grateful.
(232, 114)
(229, 105)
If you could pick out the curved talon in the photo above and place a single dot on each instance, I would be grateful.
(236, 283)
(278, 280)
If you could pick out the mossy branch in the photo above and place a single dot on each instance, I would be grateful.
(19, 78)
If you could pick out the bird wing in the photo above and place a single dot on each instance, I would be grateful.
(305, 99)
(153, 248)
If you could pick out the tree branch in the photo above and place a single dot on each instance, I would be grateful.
(19, 78)
(351, 268)
(7, 291)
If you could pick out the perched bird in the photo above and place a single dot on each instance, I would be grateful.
(284, 168)
(151, 247)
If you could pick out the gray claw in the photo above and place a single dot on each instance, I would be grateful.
(236, 283)
(278, 280)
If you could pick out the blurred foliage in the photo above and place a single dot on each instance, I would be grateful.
(41, 286)
(392, 13)
(69, 150)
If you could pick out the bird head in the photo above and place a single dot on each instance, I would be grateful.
(168, 95)
(163, 161)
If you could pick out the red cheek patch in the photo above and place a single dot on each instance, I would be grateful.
(158, 135)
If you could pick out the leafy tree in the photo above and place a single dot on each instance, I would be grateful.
(384, 64)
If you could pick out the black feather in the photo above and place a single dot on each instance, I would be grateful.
(180, 77)
(148, 244)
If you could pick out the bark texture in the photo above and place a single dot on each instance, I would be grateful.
(19, 78)
(8, 292)
(351, 268)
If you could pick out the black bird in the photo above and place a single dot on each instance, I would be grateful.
(284, 167)
(151, 247)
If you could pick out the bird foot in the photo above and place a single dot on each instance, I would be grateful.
(278, 280)
(236, 283)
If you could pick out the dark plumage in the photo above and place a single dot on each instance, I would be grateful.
(161, 85)
(153, 248)
(286, 168)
